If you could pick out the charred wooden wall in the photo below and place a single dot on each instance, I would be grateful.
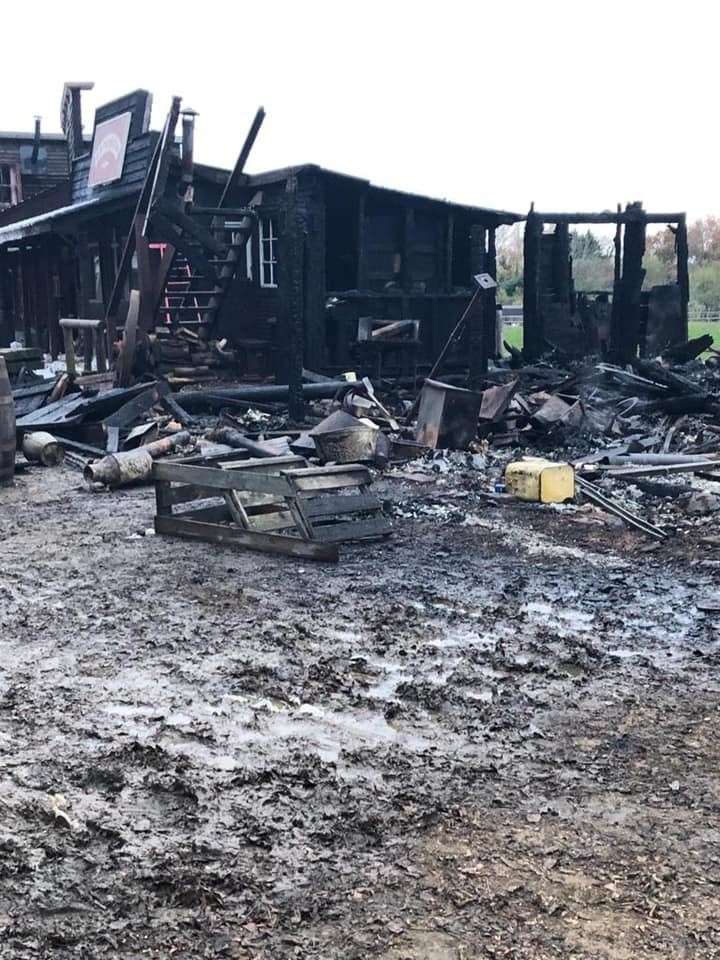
(379, 252)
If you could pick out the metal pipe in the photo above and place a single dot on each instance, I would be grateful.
(594, 494)
(193, 400)
(132, 466)
(233, 438)
(76, 323)
(656, 459)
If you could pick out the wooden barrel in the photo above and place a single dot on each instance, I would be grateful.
(7, 427)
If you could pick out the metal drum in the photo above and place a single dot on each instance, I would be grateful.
(7, 427)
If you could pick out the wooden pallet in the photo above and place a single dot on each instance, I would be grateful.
(278, 505)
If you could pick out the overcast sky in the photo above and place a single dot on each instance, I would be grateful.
(574, 105)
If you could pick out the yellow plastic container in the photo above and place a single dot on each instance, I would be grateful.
(541, 481)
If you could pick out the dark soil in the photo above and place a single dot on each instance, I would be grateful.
(495, 735)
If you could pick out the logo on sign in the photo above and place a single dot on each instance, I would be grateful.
(108, 153)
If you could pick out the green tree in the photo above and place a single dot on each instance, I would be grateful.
(587, 245)
(662, 245)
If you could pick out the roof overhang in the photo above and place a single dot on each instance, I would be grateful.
(65, 217)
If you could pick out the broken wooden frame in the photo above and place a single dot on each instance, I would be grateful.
(94, 332)
(277, 505)
(629, 249)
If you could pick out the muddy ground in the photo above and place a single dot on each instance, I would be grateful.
(495, 735)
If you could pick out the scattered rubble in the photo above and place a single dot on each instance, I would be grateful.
(633, 435)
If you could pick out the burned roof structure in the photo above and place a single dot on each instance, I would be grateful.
(243, 258)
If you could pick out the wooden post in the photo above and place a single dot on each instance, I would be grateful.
(533, 334)
(293, 269)
(561, 259)
(477, 322)
(53, 294)
(26, 296)
(361, 246)
(625, 318)
(683, 279)
(69, 352)
(408, 229)
(5, 333)
(618, 246)
(107, 279)
(491, 345)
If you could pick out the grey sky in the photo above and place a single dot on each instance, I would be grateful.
(573, 105)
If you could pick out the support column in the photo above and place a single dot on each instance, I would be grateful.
(625, 320)
(449, 241)
(492, 347)
(25, 286)
(618, 247)
(477, 323)
(533, 333)
(683, 278)
(292, 265)
(361, 247)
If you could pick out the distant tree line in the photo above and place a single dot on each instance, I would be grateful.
(593, 262)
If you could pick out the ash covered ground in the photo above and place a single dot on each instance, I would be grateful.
(494, 735)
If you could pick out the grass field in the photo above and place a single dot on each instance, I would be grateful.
(514, 333)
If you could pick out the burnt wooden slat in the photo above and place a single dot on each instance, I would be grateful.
(267, 522)
(272, 467)
(214, 479)
(309, 486)
(218, 513)
(186, 492)
(266, 543)
(358, 530)
(336, 504)
(331, 471)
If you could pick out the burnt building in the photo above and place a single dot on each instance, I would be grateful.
(31, 163)
(60, 249)
(367, 252)
(322, 257)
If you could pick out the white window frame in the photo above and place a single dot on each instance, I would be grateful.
(10, 182)
(267, 245)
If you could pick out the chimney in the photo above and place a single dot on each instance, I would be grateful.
(36, 142)
(71, 117)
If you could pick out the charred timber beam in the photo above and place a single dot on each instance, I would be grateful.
(609, 217)
(236, 177)
(533, 335)
(683, 278)
(292, 277)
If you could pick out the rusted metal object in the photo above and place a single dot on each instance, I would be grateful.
(7, 428)
(132, 466)
(448, 416)
(43, 448)
(354, 444)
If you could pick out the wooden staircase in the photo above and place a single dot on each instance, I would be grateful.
(203, 248)
(184, 283)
